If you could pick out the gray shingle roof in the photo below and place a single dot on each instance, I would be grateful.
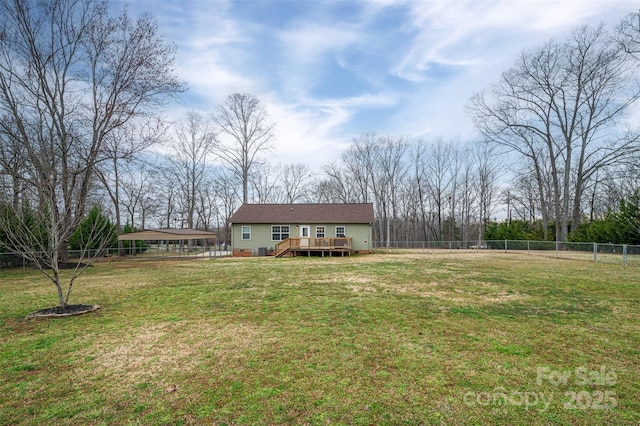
(304, 213)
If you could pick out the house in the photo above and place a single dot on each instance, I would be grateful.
(301, 229)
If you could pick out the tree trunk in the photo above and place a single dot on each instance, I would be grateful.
(61, 299)
(543, 203)
(245, 187)
(63, 256)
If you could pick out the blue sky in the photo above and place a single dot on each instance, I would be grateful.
(328, 71)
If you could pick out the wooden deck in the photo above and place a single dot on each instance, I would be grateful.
(296, 246)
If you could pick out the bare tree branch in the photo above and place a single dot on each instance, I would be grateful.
(242, 118)
(70, 76)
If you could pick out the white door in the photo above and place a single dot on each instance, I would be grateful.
(305, 233)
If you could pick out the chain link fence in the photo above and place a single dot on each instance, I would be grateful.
(160, 251)
(622, 254)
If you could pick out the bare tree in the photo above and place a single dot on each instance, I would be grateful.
(628, 34)
(456, 165)
(359, 165)
(375, 165)
(207, 203)
(525, 198)
(70, 75)
(138, 186)
(418, 153)
(167, 198)
(410, 215)
(226, 189)
(389, 172)
(12, 168)
(295, 178)
(284, 183)
(264, 181)
(359, 168)
(468, 200)
(125, 144)
(487, 173)
(336, 187)
(409, 181)
(560, 107)
(438, 178)
(245, 123)
(193, 146)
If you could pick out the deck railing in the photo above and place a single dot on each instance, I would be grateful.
(309, 243)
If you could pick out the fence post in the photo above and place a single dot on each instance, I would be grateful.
(595, 252)
(505, 246)
(624, 254)
(557, 253)
(528, 247)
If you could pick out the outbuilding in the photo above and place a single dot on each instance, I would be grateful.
(177, 235)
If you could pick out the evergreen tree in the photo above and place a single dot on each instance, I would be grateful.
(95, 232)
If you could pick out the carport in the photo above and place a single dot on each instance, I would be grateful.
(166, 235)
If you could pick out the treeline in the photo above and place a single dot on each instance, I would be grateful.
(421, 190)
(447, 191)
(616, 227)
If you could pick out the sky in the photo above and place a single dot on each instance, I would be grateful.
(329, 71)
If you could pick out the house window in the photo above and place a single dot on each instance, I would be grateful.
(246, 232)
(279, 232)
(319, 231)
(340, 232)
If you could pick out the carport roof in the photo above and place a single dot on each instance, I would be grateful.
(166, 234)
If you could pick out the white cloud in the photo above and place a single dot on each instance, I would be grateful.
(468, 32)
(460, 48)
(308, 43)
(312, 131)
(420, 60)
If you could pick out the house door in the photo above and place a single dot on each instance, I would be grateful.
(305, 233)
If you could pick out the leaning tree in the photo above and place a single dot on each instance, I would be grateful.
(71, 75)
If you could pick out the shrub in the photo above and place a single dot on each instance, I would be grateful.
(95, 232)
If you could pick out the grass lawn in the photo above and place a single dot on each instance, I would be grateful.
(399, 338)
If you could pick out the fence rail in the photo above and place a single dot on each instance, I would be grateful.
(9, 259)
(623, 254)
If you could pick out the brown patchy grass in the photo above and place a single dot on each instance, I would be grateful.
(399, 338)
(172, 348)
